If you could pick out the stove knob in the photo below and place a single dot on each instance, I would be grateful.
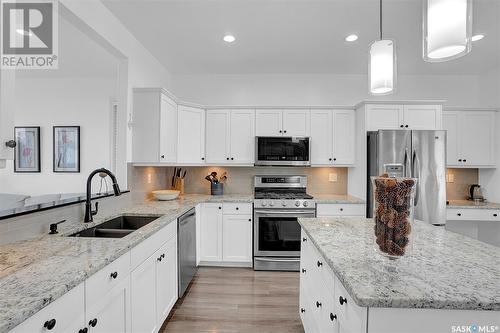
(297, 203)
(264, 204)
(283, 203)
(306, 203)
(271, 203)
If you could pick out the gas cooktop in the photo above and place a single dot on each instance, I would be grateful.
(283, 195)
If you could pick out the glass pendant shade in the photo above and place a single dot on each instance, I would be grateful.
(382, 67)
(447, 29)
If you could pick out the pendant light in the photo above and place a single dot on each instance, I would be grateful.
(382, 64)
(447, 29)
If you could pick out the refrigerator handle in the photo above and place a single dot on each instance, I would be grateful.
(415, 175)
(406, 164)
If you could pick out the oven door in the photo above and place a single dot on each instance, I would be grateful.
(277, 232)
(293, 151)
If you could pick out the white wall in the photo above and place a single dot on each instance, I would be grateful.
(58, 102)
(268, 89)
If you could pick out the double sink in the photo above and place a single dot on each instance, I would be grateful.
(117, 227)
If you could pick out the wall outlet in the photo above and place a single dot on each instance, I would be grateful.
(332, 177)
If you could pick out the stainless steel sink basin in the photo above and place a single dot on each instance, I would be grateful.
(118, 227)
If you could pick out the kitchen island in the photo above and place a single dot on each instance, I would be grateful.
(448, 281)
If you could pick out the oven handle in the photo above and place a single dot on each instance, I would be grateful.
(277, 259)
(285, 212)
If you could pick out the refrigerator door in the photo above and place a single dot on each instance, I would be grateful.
(389, 151)
(429, 166)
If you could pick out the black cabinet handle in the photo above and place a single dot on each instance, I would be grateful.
(341, 209)
(459, 214)
(93, 322)
(401, 126)
(220, 207)
(83, 330)
(460, 160)
(342, 300)
(319, 263)
(465, 160)
(284, 131)
(249, 220)
(163, 255)
(203, 158)
(281, 131)
(237, 208)
(227, 158)
(495, 215)
(304, 239)
(159, 258)
(162, 156)
(318, 304)
(334, 158)
(114, 275)
(304, 270)
(302, 310)
(50, 324)
(330, 159)
(406, 126)
(333, 317)
(232, 158)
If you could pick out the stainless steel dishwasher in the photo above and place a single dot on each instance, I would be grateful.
(186, 249)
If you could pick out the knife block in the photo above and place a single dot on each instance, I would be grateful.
(179, 185)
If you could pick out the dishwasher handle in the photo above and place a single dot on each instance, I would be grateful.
(187, 216)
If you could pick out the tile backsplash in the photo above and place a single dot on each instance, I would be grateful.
(240, 179)
(462, 179)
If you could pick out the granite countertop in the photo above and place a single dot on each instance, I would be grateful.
(469, 204)
(445, 271)
(336, 199)
(35, 272)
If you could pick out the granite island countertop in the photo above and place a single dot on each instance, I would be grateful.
(336, 199)
(36, 272)
(469, 204)
(445, 271)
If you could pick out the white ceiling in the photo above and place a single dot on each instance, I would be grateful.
(293, 36)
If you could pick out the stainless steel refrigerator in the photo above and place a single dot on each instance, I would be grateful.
(417, 154)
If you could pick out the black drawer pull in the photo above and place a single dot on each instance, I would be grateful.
(304, 239)
(237, 208)
(333, 317)
(159, 258)
(342, 300)
(50, 324)
(83, 330)
(341, 209)
(459, 214)
(302, 310)
(318, 304)
(495, 215)
(319, 263)
(93, 322)
(304, 270)
(114, 275)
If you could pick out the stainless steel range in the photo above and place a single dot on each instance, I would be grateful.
(279, 202)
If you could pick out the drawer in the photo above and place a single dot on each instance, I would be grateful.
(233, 208)
(67, 312)
(351, 317)
(149, 246)
(325, 210)
(101, 282)
(454, 214)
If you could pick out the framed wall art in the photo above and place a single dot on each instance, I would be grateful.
(66, 149)
(27, 150)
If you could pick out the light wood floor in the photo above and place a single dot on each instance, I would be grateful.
(238, 300)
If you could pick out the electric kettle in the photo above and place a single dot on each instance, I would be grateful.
(475, 192)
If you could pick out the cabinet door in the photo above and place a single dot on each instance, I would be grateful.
(268, 122)
(168, 130)
(191, 135)
(111, 314)
(237, 238)
(143, 293)
(343, 138)
(321, 137)
(384, 117)
(478, 138)
(146, 138)
(422, 117)
(296, 123)
(242, 136)
(217, 138)
(166, 280)
(451, 124)
(211, 232)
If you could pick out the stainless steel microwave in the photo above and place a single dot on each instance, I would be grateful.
(282, 151)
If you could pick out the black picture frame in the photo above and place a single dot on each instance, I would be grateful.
(27, 156)
(66, 155)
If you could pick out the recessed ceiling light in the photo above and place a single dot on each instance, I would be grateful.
(477, 37)
(229, 38)
(351, 38)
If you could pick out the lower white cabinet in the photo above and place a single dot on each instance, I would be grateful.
(166, 280)
(225, 233)
(143, 285)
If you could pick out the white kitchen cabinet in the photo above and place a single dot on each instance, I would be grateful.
(282, 122)
(190, 135)
(143, 294)
(154, 127)
(166, 280)
(237, 238)
(226, 234)
(470, 138)
(403, 116)
(230, 136)
(66, 314)
(211, 232)
(332, 137)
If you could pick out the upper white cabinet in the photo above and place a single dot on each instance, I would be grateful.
(399, 116)
(154, 132)
(471, 138)
(230, 136)
(282, 122)
(332, 137)
(191, 135)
